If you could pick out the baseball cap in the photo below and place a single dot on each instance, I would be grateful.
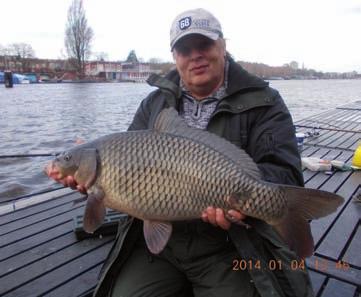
(195, 21)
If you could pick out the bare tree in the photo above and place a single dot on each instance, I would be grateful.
(78, 36)
(21, 50)
(101, 56)
(155, 61)
(17, 56)
(2, 50)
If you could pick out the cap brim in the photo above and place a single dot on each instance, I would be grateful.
(210, 35)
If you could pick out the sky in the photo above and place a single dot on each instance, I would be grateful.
(324, 35)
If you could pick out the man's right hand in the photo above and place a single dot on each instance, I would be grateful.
(216, 217)
(69, 181)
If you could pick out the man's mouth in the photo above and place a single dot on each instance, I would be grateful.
(199, 69)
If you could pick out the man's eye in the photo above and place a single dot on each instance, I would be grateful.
(205, 45)
(184, 50)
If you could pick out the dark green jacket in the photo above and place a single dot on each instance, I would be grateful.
(254, 117)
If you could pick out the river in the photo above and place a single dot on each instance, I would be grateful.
(46, 118)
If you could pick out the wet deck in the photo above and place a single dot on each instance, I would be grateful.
(41, 256)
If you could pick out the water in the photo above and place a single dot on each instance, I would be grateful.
(47, 118)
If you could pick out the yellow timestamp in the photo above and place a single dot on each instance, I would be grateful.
(296, 264)
(241, 264)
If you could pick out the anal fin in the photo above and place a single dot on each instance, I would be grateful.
(156, 235)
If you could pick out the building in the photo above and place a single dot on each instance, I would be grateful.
(138, 72)
(105, 70)
(118, 71)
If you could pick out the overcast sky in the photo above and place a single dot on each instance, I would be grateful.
(321, 34)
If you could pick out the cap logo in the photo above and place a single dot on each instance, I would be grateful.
(185, 23)
(202, 23)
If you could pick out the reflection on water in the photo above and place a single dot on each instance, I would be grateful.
(45, 118)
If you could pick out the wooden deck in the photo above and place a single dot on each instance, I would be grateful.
(40, 254)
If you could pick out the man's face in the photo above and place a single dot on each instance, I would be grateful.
(200, 63)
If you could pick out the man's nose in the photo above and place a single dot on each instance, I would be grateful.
(195, 53)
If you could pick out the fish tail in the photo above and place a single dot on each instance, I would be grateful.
(304, 205)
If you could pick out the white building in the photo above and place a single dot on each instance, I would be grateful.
(118, 71)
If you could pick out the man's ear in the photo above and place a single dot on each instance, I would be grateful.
(224, 46)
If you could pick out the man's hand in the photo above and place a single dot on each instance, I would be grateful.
(69, 181)
(216, 217)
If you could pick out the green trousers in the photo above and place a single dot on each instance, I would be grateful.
(198, 261)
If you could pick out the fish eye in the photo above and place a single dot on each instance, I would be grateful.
(67, 157)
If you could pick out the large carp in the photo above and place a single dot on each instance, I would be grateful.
(175, 172)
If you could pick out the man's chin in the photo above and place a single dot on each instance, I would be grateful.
(200, 81)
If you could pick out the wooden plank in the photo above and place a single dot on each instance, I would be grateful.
(308, 150)
(353, 253)
(43, 275)
(38, 217)
(336, 288)
(340, 142)
(337, 238)
(335, 138)
(31, 242)
(78, 285)
(19, 260)
(350, 117)
(54, 277)
(327, 115)
(335, 269)
(28, 200)
(44, 206)
(355, 145)
(351, 143)
(33, 229)
(354, 105)
(325, 135)
(321, 226)
(318, 280)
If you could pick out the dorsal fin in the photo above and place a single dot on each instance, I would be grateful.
(168, 121)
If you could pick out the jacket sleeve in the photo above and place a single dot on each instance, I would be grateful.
(273, 146)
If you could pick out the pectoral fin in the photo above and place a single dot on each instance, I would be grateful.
(156, 235)
(94, 211)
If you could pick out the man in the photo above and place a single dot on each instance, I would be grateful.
(203, 257)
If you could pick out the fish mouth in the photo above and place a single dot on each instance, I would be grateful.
(52, 171)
